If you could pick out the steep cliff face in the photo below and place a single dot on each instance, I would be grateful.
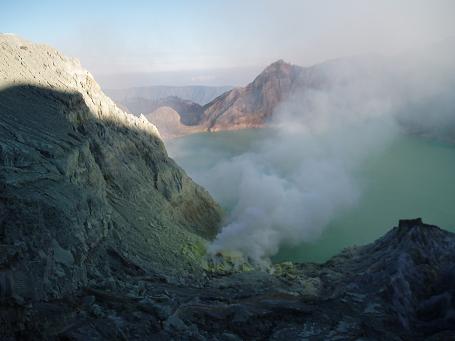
(251, 106)
(86, 189)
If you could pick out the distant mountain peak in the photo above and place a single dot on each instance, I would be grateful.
(278, 65)
(280, 62)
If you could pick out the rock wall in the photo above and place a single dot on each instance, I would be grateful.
(86, 189)
(253, 105)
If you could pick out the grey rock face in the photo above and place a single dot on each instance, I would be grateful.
(87, 191)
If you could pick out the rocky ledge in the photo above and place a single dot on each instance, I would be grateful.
(399, 287)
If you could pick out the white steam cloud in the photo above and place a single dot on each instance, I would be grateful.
(302, 176)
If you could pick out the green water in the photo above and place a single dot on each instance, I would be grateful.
(411, 178)
(201, 151)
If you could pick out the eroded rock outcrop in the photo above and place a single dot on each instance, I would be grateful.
(253, 105)
(86, 190)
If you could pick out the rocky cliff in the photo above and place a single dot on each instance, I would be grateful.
(87, 191)
(253, 105)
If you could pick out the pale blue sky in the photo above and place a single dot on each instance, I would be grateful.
(112, 37)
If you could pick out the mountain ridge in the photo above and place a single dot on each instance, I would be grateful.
(420, 102)
(241, 107)
(252, 105)
(199, 94)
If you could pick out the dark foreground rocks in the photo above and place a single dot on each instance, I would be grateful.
(401, 287)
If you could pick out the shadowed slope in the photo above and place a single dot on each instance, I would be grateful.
(86, 189)
(74, 186)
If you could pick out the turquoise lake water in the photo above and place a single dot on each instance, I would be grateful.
(412, 177)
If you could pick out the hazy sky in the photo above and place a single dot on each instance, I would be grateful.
(202, 37)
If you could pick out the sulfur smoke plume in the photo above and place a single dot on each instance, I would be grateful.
(303, 175)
